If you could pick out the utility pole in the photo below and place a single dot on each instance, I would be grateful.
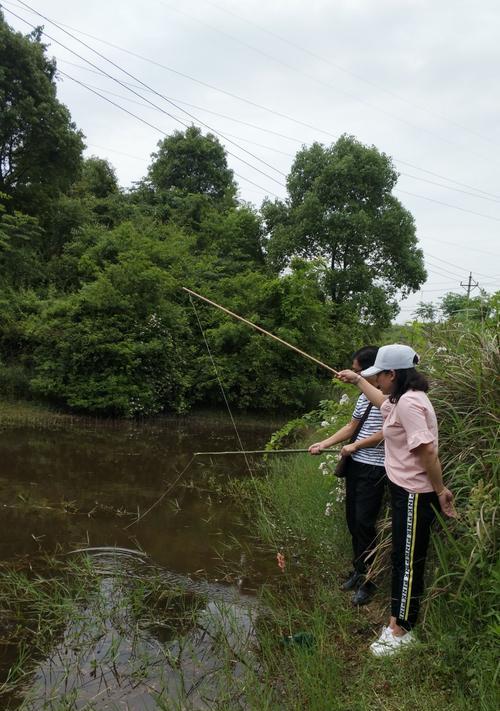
(470, 285)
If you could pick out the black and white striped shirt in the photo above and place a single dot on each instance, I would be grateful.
(372, 424)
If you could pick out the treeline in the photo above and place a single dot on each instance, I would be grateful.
(92, 315)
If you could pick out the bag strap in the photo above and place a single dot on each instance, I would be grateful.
(361, 423)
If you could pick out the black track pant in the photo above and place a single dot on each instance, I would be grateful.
(365, 486)
(412, 518)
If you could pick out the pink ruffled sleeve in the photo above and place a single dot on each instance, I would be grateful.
(412, 415)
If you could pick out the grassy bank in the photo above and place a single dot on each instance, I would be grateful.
(24, 413)
(299, 511)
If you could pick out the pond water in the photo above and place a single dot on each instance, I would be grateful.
(84, 487)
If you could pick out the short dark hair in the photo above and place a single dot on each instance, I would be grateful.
(408, 379)
(366, 356)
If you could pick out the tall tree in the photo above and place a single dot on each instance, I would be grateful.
(191, 163)
(98, 178)
(341, 210)
(40, 147)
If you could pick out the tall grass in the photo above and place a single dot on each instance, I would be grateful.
(466, 619)
(455, 665)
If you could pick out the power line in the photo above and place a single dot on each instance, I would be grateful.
(194, 79)
(455, 207)
(99, 54)
(462, 246)
(199, 108)
(444, 270)
(194, 118)
(446, 261)
(449, 187)
(260, 145)
(139, 118)
(252, 103)
(146, 99)
(316, 79)
(140, 103)
(444, 177)
(190, 115)
(347, 71)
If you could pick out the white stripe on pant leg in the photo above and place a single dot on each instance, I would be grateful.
(408, 550)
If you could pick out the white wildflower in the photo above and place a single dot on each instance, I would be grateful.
(344, 399)
(325, 423)
(339, 491)
(329, 509)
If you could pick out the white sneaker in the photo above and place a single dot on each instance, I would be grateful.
(388, 643)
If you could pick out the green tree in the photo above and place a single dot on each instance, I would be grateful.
(119, 343)
(257, 372)
(341, 210)
(40, 147)
(426, 311)
(190, 163)
(460, 306)
(21, 238)
(98, 178)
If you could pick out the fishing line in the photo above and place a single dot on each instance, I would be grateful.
(160, 499)
(220, 385)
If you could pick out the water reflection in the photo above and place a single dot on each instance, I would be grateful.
(85, 485)
(82, 486)
(145, 637)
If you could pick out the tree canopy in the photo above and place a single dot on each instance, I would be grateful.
(40, 147)
(92, 313)
(341, 210)
(192, 163)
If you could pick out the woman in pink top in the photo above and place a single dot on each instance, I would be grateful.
(414, 473)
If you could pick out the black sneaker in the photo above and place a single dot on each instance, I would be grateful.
(363, 594)
(353, 581)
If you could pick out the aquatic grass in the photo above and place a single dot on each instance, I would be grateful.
(87, 630)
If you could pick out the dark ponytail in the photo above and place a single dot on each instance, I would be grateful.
(408, 379)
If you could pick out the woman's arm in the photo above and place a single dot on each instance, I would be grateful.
(370, 441)
(372, 393)
(429, 460)
(344, 433)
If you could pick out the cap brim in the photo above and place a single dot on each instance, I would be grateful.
(370, 371)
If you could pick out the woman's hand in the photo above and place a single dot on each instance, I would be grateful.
(316, 448)
(348, 449)
(348, 376)
(446, 502)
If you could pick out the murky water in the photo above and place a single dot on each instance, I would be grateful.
(84, 487)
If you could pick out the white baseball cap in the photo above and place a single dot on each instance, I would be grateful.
(393, 357)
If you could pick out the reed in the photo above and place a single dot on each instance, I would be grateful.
(455, 664)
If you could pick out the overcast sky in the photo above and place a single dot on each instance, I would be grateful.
(417, 79)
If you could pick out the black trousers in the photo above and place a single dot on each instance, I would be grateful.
(365, 486)
(412, 518)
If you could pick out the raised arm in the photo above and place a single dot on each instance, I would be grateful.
(372, 393)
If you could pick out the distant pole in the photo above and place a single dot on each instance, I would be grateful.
(469, 286)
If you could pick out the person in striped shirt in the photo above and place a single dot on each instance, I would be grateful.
(365, 481)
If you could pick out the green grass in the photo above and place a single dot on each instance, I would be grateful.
(455, 664)
(21, 413)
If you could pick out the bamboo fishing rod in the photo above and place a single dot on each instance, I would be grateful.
(254, 451)
(262, 330)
